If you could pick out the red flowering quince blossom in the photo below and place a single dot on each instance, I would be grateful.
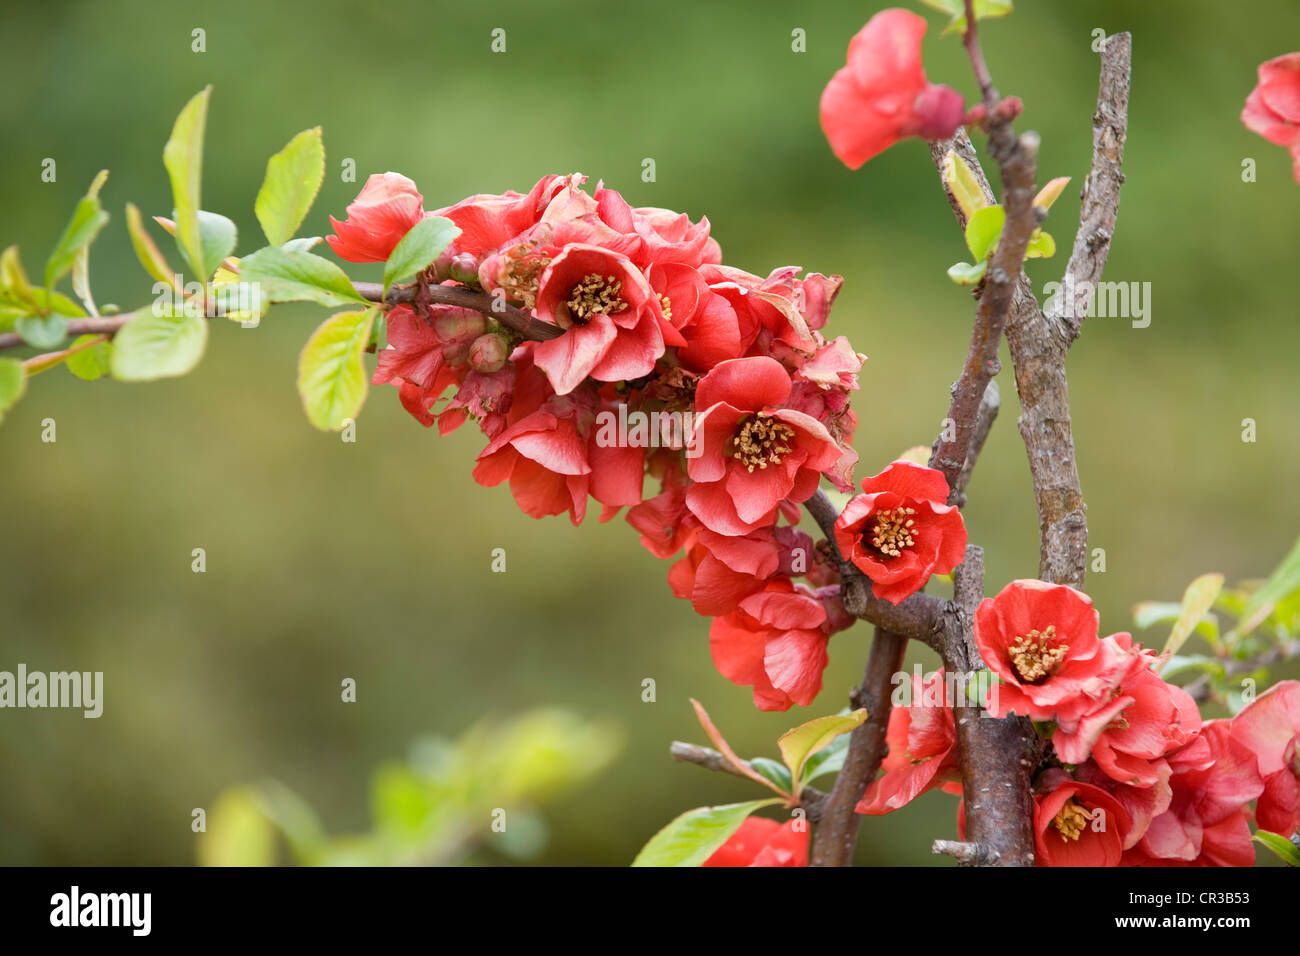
(1138, 723)
(753, 452)
(922, 739)
(1207, 821)
(385, 210)
(1269, 727)
(776, 642)
(1041, 640)
(1273, 108)
(610, 315)
(882, 95)
(763, 842)
(1077, 824)
(901, 530)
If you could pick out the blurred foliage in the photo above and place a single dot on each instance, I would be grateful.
(372, 560)
(449, 802)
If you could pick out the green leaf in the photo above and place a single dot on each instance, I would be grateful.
(88, 218)
(425, 242)
(774, 771)
(13, 382)
(830, 760)
(799, 744)
(90, 363)
(14, 284)
(983, 230)
(1193, 662)
(42, 333)
(331, 376)
(963, 273)
(1041, 245)
(145, 249)
(1197, 600)
(217, 236)
(303, 244)
(1284, 848)
(152, 346)
(293, 178)
(183, 157)
(1283, 581)
(962, 183)
(298, 277)
(1149, 613)
(692, 838)
(956, 9)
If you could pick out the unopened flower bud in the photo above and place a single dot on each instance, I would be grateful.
(489, 352)
(463, 267)
(458, 325)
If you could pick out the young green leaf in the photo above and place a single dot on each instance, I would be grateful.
(960, 179)
(799, 744)
(425, 242)
(88, 218)
(983, 230)
(692, 838)
(152, 346)
(15, 285)
(963, 273)
(298, 277)
(293, 178)
(956, 9)
(42, 332)
(217, 237)
(1041, 245)
(1197, 599)
(1282, 582)
(13, 382)
(1051, 192)
(1287, 851)
(145, 249)
(775, 771)
(331, 376)
(183, 157)
(89, 358)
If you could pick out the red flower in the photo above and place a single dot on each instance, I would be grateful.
(1077, 824)
(922, 739)
(388, 206)
(1041, 640)
(763, 842)
(882, 94)
(487, 221)
(424, 359)
(1129, 731)
(1273, 107)
(776, 643)
(901, 530)
(752, 451)
(1270, 728)
(609, 313)
(1214, 778)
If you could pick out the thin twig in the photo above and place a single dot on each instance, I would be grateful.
(810, 798)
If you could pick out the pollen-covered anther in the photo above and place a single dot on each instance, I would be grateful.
(761, 442)
(1070, 821)
(1037, 655)
(595, 295)
(521, 274)
(665, 306)
(893, 531)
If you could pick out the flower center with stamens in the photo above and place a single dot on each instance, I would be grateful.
(522, 272)
(1036, 655)
(1070, 821)
(665, 306)
(595, 295)
(893, 531)
(760, 442)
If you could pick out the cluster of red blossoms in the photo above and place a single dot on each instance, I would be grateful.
(1133, 776)
(715, 383)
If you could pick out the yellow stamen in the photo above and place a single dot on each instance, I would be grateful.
(761, 442)
(1070, 821)
(595, 295)
(1037, 655)
(893, 531)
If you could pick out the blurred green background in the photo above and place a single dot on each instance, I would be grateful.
(371, 560)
